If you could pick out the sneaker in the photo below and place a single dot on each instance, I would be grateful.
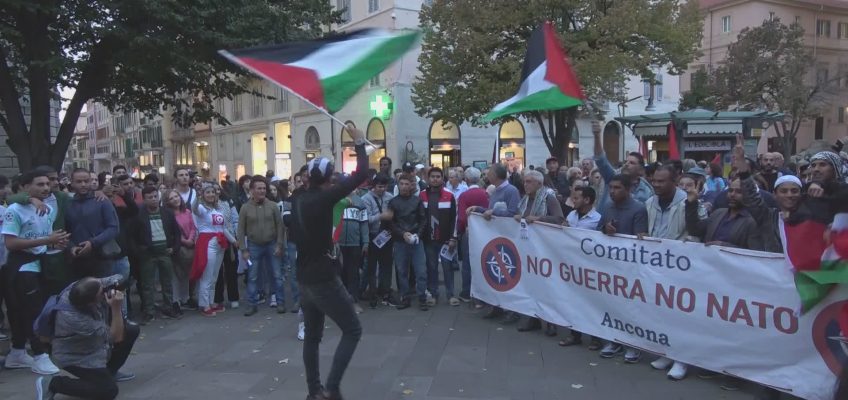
(662, 363)
(234, 305)
(18, 358)
(453, 301)
(301, 331)
(464, 298)
(191, 305)
(169, 313)
(261, 299)
(403, 305)
(632, 356)
(121, 376)
(295, 307)
(372, 304)
(146, 319)
(281, 309)
(42, 388)
(273, 302)
(42, 365)
(218, 308)
(390, 301)
(707, 374)
(357, 308)
(431, 301)
(595, 344)
(678, 371)
(208, 312)
(3, 337)
(251, 311)
(177, 310)
(611, 350)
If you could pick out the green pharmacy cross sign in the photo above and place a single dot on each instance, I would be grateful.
(382, 107)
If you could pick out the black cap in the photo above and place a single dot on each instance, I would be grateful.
(408, 167)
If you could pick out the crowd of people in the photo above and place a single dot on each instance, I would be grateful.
(392, 236)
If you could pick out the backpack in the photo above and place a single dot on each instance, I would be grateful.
(44, 325)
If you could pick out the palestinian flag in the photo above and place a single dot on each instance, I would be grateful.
(326, 72)
(547, 80)
(819, 266)
(338, 213)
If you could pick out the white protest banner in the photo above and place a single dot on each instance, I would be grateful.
(722, 309)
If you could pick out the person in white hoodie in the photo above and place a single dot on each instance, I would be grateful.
(667, 220)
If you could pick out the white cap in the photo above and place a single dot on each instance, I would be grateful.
(419, 167)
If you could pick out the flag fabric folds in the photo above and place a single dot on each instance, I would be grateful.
(547, 80)
(326, 72)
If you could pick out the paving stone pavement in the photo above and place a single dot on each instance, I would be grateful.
(447, 353)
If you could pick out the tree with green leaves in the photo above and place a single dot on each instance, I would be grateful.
(768, 68)
(473, 50)
(700, 94)
(131, 55)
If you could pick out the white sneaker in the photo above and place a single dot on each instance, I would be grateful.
(632, 356)
(678, 371)
(273, 302)
(662, 363)
(301, 331)
(43, 365)
(3, 336)
(234, 304)
(18, 358)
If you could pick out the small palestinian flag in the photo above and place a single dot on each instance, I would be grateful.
(338, 213)
(815, 276)
(547, 80)
(326, 72)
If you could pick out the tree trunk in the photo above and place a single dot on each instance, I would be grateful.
(565, 121)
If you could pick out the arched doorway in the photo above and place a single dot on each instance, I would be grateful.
(612, 142)
(511, 137)
(312, 143)
(376, 133)
(444, 144)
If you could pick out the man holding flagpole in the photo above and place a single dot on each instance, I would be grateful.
(321, 289)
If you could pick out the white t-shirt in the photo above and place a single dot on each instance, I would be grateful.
(209, 220)
(24, 222)
(190, 194)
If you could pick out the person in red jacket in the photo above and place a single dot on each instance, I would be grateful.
(475, 196)
(440, 214)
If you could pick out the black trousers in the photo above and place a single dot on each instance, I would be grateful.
(351, 263)
(228, 276)
(98, 383)
(383, 257)
(24, 300)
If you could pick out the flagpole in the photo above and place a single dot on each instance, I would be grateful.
(236, 60)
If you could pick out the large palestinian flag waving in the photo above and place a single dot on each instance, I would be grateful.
(547, 80)
(326, 72)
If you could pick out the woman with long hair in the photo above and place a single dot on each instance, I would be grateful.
(182, 287)
(228, 275)
(209, 250)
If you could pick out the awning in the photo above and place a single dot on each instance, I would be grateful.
(651, 129)
(723, 128)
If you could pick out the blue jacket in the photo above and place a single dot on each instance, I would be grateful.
(89, 219)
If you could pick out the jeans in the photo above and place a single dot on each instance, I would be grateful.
(206, 283)
(98, 383)
(289, 263)
(351, 264)
(182, 270)
(330, 299)
(260, 253)
(466, 266)
(121, 267)
(433, 260)
(150, 265)
(24, 301)
(383, 257)
(405, 254)
(228, 276)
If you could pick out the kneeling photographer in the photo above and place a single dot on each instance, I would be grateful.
(91, 341)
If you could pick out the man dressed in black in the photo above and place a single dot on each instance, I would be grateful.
(318, 267)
